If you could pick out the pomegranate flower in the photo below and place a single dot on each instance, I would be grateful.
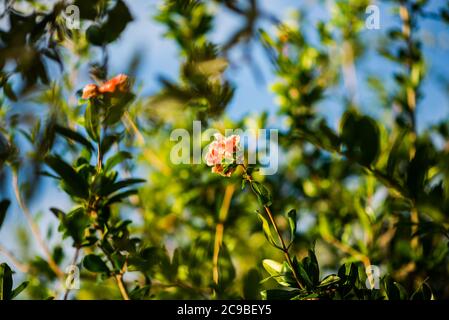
(119, 83)
(222, 154)
(90, 91)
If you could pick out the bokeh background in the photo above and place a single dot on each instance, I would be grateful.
(179, 205)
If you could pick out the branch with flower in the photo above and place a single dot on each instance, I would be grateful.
(225, 155)
(300, 279)
(96, 188)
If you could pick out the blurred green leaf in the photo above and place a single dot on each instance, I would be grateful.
(94, 263)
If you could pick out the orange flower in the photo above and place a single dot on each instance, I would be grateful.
(223, 151)
(118, 83)
(90, 91)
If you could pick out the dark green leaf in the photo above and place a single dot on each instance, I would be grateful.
(19, 289)
(94, 263)
(251, 285)
(4, 204)
(107, 190)
(92, 121)
(262, 193)
(291, 216)
(5, 282)
(73, 182)
(424, 292)
(73, 135)
(267, 230)
(116, 159)
(120, 196)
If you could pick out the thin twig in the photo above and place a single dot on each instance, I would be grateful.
(9, 255)
(284, 248)
(75, 259)
(35, 228)
(219, 230)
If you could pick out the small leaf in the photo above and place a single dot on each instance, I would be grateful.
(19, 289)
(251, 284)
(74, 183)
(75, 136)
(302, 273)
(94, 263)
(262, 193)
(116, 159)
(329, 280)
(107, 190)
(273, 267)
(4, 204)
(424, 292)
(92, 122)
(267, 230)
(5, 282)
(394, 290)
(291, 216)
(120, 196)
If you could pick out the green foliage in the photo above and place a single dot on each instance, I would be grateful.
(6, 284)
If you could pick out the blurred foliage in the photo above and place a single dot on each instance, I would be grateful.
(373, 190)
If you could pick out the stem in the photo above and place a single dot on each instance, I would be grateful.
(118, 276)
(406, 15)
(99, 157)
(19, 265)
(74, 260)
(276, 228)
(34, 227)
(284, 247)
(219, 230)
(121, 286)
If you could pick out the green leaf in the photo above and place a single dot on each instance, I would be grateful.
(273, 267)
(116, 159)
(19, 289)
(361, 138)
(291, 217)
(251, 285)
(107, 190)
(73, 182)
(418, 167)
(262, 193)
(394, 290)
(73, 224)
(329, 280)
(120, 196)
(5, 282)
(92, 122)
(117, 19)
(278, 272)
(4, 204)
(73, 135)
(312, 268)
(94, 263)
(302, 274)
(108, 141)
(267, 230)
(424, 292)
(9, 92)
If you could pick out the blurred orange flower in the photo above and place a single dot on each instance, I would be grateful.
(119, 83)
(90, 91)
